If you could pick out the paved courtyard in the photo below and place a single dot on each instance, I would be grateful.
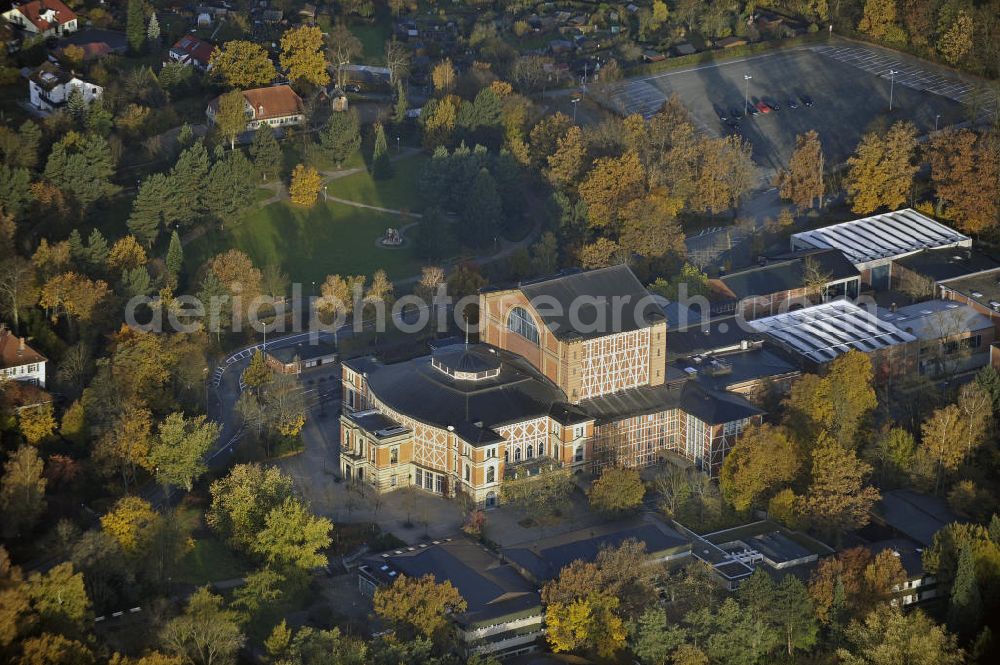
(849, 86)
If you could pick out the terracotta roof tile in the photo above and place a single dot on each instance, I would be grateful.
(33, 11)
(274, 102)
(11, 353)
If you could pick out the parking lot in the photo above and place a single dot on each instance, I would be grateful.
(847, 86)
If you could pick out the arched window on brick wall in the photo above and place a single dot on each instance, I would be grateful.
(520, 322)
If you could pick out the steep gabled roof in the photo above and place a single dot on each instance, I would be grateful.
(274, 102)
(198, 50)
(34, 11)
(14, 353)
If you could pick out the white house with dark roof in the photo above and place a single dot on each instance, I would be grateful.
(49, 88)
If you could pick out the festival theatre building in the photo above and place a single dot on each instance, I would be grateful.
(570, 372)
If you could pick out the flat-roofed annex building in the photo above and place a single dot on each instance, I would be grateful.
(542, 391)
(504, 614)
(822, 332)
(873, 243)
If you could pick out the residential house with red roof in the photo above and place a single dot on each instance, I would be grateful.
(48, 18)
(190, 50)
(277, 106)
(20, 362)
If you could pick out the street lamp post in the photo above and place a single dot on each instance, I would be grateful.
(397, 145)
(574, 102)
(936, 118)
(892, 85)
(324, 194)
(746, 94)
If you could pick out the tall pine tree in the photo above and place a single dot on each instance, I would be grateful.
(381, 166)
(135, 26)
(965, 607)
(266, 152)
(149, 208)
(228, 190)
(97, 249)
(153, 29)
(482, 213)
(399, 112)
(175, 256)
(76, 104)
(187, 180)
(77, 252)
(341, 137)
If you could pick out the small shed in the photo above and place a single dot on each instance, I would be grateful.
(338, 100)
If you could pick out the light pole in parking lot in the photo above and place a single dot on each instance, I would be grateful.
(746, 95)
(574, 101)
(936, 118)
(892, 85)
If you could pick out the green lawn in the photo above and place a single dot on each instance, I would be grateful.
(293, 154)
(210, 561)
(373, 37)
(401, 191)
(310, 244)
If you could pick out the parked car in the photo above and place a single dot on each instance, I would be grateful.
(774, 105)
(763, 107)
(352, 87)
(792, 104)
(806, 100)
(754, 111)
(721, 112)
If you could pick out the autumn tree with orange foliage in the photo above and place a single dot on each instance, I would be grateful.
(419, 605)
(965, 172)
(849, 585)
(880, 173)
(802, 182)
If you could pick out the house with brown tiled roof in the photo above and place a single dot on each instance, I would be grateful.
(20, 362)
(190, 50)
(47, 18)
(277, 106)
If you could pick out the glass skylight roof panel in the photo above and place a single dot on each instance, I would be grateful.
(837, 328)
(874, 241)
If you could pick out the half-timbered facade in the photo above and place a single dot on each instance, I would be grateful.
(553, 384)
